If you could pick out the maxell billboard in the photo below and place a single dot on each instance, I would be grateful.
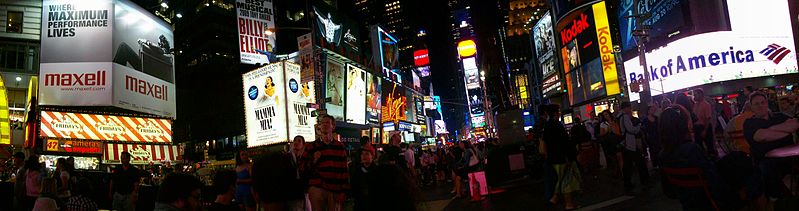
(106, 53)
(254, 18)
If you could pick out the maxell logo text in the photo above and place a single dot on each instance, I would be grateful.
(578, 26)
(70, 79)
(146, 88)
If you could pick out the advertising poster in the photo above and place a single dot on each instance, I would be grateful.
(140, 153)
(142, 42)
(254, 18)
(476, 102)
(301, 123)
(575, 85)
(759, 44)
(543, 38)
(411, 117)
(417, 84)
(419, 105)
(441, 127)
(551, 84)
(86, 163)
(104, 127)
(5, 123)
(394, 104)
(385, 45)
(594, 80)
(69, 146)
(471, 73)
(356, 95)
(334, 91)
(83, 38)
(137, 91)
(548, 67)
(308, 67)
(337, 32)
(264, 105)
(373, 101)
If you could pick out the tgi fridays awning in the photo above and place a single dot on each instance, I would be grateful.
(140, 153)
(105, 127)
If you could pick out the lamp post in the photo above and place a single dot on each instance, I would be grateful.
(642, 33)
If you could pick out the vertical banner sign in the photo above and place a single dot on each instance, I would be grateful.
(606, 48)
(356, 95)
(335, 90)
(264, 105)
(373, 98)
(308, 67)
(299, 114)
(255, 17)
(5, 124)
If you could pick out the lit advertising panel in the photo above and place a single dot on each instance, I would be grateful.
(87, 163)
(373, 101)
(336, 32)
(70, 146)
(467, 48)
(265, 105)
(104, 127)
(306, 63)
(384, 45)
(479, 121)
(112, 53)
(548, 66)
(417, 84)
(411, 98)
(254, 18)
(5, 122)
(419, 105)
(471, 73)
(475, 97)
(140, 153)
(543, 38)
(420, 58)
(441, 127)
(759, 44)
(356, 95)
(301, 123)
(395, 104)
(586, 41)
(335, 90)
(424, 71)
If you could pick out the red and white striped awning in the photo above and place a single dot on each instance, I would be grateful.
(140, 153)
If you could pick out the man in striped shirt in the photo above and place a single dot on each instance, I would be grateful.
(330, 176)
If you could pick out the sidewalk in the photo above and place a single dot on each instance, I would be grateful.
(605, 192)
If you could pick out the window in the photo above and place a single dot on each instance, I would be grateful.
(18, 58)
(14, 21)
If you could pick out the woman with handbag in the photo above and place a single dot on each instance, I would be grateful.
(561, 153)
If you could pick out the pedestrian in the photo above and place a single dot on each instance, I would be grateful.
(703, 126)
(299, 161)
(33, 180)
(441, 165)
(587, 155)
(561, 154)
(330, 179)
(366, 143)
(124, 187)
(244, 182)
(81, 197)
(460, 171)
(167, 169)
(743, 97)
(48, 199)
(63, 174)
(633, 149)
(20, 195)
(410, 158)
(393, 153)
(179, 192)
(764, 132)
(652, 137)
(788, 107)
(680, 152)
(392, 190)
(225, 188)
(610, 136)
(360, 176)
(276, 183)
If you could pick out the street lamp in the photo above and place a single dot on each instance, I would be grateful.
(164, 5)
(18, 79)
(179, 15)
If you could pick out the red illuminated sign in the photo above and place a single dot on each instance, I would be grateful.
(420, 58)
(78, 147)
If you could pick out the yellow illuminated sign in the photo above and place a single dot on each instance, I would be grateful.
(467, 48)
(606, 48)
(5, 124)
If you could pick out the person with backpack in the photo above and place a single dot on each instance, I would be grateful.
(610, 135)
(633, 148)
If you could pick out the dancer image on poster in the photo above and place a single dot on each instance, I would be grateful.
(333, 79)
(269, 92)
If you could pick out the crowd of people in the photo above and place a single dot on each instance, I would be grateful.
(727, 143)
(36, 188)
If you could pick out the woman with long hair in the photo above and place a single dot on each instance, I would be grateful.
(33, 180)
(680, 152)
(244, 182)
(610, 135)
(63, 173)
(47, 201)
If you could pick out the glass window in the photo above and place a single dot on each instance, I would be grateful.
(14, 21)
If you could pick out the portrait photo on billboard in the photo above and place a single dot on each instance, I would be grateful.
(373, 101)
(336, 31)
(356, 95)
(334, 91)
(576, 86)
(389, 50)
(571, 56)
(143, 42)
(579, 26)
(543, 38)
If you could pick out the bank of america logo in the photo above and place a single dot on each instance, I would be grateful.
(775, 53)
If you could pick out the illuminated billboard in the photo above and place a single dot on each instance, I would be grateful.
(335, 90)
(254, 19)
(113, 54)
(336, 32)
(104, 127)
(761, 43)
(70, 146)
(543, 38)
(140, 153)
(587, 53)
(373, 101)
(356, 95)
(265, 105)
(395, 104)
(298, 96)
(385, 49)
(420, 58)
(471, 73)
(467, 48)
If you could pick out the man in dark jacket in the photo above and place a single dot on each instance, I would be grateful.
(359, 179)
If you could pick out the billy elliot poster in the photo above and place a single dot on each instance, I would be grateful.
(265, 105)
(254, 19)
